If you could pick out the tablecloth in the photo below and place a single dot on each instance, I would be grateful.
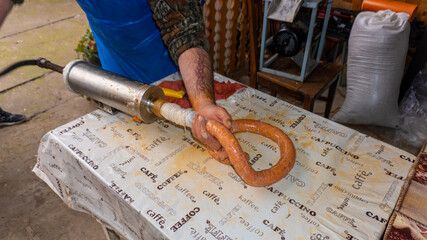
(154, 181)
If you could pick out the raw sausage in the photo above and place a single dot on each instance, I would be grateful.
(238, 159)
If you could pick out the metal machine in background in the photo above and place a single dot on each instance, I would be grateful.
(290, 38)
(300, 37)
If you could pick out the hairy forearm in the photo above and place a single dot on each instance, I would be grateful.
(196, 71)
(183, 32)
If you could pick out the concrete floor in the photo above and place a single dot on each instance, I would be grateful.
(52, 29)
(30, 209)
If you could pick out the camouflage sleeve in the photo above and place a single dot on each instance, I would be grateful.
(181, 25)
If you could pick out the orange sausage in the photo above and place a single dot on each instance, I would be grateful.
(238, 159)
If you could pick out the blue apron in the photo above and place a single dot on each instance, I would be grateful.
(128, 40)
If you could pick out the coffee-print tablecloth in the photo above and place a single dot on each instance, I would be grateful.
(154, 181)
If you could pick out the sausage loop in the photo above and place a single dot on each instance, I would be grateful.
(240, 161)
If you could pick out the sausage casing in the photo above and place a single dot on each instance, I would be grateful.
(238, 159)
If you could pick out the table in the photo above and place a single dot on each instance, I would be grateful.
(153, 181)
(324, 77)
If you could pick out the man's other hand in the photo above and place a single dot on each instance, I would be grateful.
(205, 113)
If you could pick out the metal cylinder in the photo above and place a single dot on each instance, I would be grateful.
(123, 94)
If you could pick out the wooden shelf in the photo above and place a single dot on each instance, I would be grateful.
(323, 77)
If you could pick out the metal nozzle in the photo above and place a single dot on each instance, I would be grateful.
(126, 95)
(44, 63)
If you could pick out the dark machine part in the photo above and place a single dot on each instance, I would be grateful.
(340, 23)
(289, 40)
(41, 62)
(291, 37)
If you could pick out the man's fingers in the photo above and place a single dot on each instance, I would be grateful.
(222, 154)
(202, 127)
(198, 129)
(217, 113)
(213, 143)
(196, 126)
(224, 117)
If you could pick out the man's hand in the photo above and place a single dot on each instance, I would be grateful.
(183, 32)
(196, 71)
(209, 112)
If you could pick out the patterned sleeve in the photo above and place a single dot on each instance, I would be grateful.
(181, 25)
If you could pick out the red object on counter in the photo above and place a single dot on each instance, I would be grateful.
(222, 91)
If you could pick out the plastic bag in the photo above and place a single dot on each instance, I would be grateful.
(376, 58)
(413, 112)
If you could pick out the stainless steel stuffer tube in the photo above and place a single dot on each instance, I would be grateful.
(123, 94)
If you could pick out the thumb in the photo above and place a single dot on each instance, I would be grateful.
(224, 118)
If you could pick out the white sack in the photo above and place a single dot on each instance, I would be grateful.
(376, 59)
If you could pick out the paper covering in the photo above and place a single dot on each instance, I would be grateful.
(154, 181)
